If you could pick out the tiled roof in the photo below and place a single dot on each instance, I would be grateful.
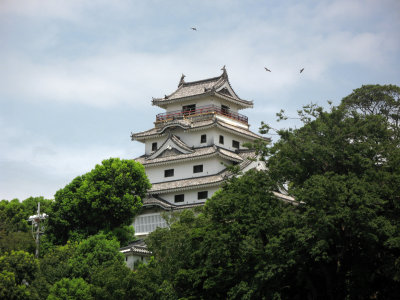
(204, 87)
(195, 182)
(196, 87)
(196, 154)
(239, 130)
(156, 132)
(137, 247)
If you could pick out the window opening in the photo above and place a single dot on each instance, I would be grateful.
(179, 198)
(202, 195)
(198, 169)
(154, 146)
(221, 139)
(235, 144)
(169, 173)
(203, 138)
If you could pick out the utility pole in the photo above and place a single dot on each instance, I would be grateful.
(36, 229)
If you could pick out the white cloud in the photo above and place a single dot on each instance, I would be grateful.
(33, 165)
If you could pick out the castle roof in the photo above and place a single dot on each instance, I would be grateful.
(247, 156)
(214, 122)
(197, 153)
(216, 86)
(137, 248)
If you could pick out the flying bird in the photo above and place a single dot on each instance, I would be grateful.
(301, 70)
(266, 69)
(193, 28)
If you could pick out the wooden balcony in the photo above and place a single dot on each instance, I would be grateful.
(201, 110)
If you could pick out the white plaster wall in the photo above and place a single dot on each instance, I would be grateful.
(228, 138)
(190, 195)
(149, 142)
(184, 169)
(131, 259)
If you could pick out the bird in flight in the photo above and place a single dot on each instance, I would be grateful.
(301, 70)
(266, 69)
(193, 28)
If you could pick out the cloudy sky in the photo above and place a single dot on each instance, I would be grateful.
(77, 77)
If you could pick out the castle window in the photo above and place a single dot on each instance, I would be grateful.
(179, 198)
(169, 173)
(202, 195)
(203, 138)
(235, 144)
(148, 223)
(154, 146)
(221, 139)
(198, 169)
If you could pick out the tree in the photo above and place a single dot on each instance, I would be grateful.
(106, 198)
(340, 241)
(221, 253)
(383, 100)
(9, 289)
(22, 264)
(15, 232)
(344, 166)
(70, 288)
(94, 254)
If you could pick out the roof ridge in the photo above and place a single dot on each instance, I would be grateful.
(202, 81)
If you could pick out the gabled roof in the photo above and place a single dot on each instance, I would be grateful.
(171, 147)
(216, 86)
(197, 153)
(214, 122)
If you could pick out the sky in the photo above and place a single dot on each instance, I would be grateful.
(77, 77)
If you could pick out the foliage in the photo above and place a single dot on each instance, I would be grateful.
(106, 198)
(93, 254)
(383, 100)
(341, 240)
(70, 288)
(9, 289)
(112, 281)
(21, 263)
(14, 228)
(221, 253)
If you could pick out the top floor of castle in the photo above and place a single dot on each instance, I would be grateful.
(202, 100)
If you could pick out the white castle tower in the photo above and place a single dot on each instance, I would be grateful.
(192, 142)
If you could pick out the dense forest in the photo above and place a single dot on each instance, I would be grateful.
(339, 240)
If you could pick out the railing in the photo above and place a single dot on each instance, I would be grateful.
(179, 114)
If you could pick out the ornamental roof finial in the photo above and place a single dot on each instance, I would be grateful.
(182, 81)
(224, 74)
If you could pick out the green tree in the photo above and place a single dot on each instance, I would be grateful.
(340, 241)
(53, 266)
(106, 198)
(383, 100)
(22, 264)
(94, 254)
(344, 166)
(15, 231)
(71, 289)
(221, 253)
(9, 289)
